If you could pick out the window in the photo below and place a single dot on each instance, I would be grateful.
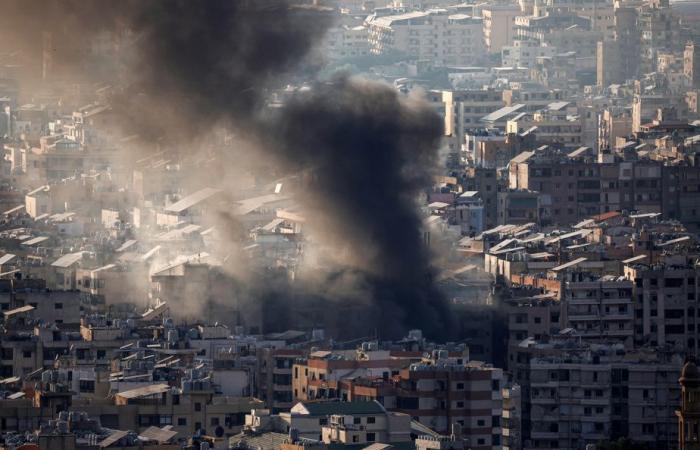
(86, 385)
(214, 421)
(371, 437)
(27, 354)
(197, 406)
(323, 421)
(371, 420)
(481, 423)
(58, 306)
(460, 386)
(182, 422)
(357, 420)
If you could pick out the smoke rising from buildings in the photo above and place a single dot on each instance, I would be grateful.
(192, 65)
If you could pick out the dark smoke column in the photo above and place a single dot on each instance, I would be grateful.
(372, 152)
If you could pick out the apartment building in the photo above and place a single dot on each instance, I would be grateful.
(436, 35)
(578, 398)
(465, 108)
(493, 149)
(184, 409)
(553, 126)
(518, 207)
(385, 428)
(485, 182)
(499, 25)
(599, 309)
(524, 53)
(666, 303)
(613, 124)
(618, 58)
(321, 374)
(659, 31)
(691, 64)
(645, 108)
(511, 420)
(578, 189)
(346, 42)
(467, 394)
(532, 96)
(274, 378)
(362, 422)
(600, 12)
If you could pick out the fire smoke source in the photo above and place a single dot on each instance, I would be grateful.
(196, 64)
(372, 152)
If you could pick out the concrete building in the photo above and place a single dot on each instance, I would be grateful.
(599, 309)
(274, 380)
(553, 126)
(578, 399)
(346, 42)
(524, 53)
(659, 31)
(435, 35)
(472, 399)
(691, 64)
(499, 25)
(518, 207)
(511, 421)
(469, 212)
(465, 108)
(666, 304)
(485, 182)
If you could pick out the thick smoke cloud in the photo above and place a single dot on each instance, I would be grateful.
(191, 65)
(372, 153)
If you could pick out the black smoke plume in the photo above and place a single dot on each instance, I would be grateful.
(193, 64)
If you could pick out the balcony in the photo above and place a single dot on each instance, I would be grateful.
(583, 317)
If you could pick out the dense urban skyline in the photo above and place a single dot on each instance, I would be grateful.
(349, 224)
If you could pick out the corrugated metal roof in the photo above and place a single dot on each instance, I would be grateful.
(68, 260)
(20, 310)
(145, 391)
(341, 408)
(157, 434)
(6, 258)
(112, 438)
(634, 259)
(573, 263)
(192, 199)
(36, 240)
(126, 245)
